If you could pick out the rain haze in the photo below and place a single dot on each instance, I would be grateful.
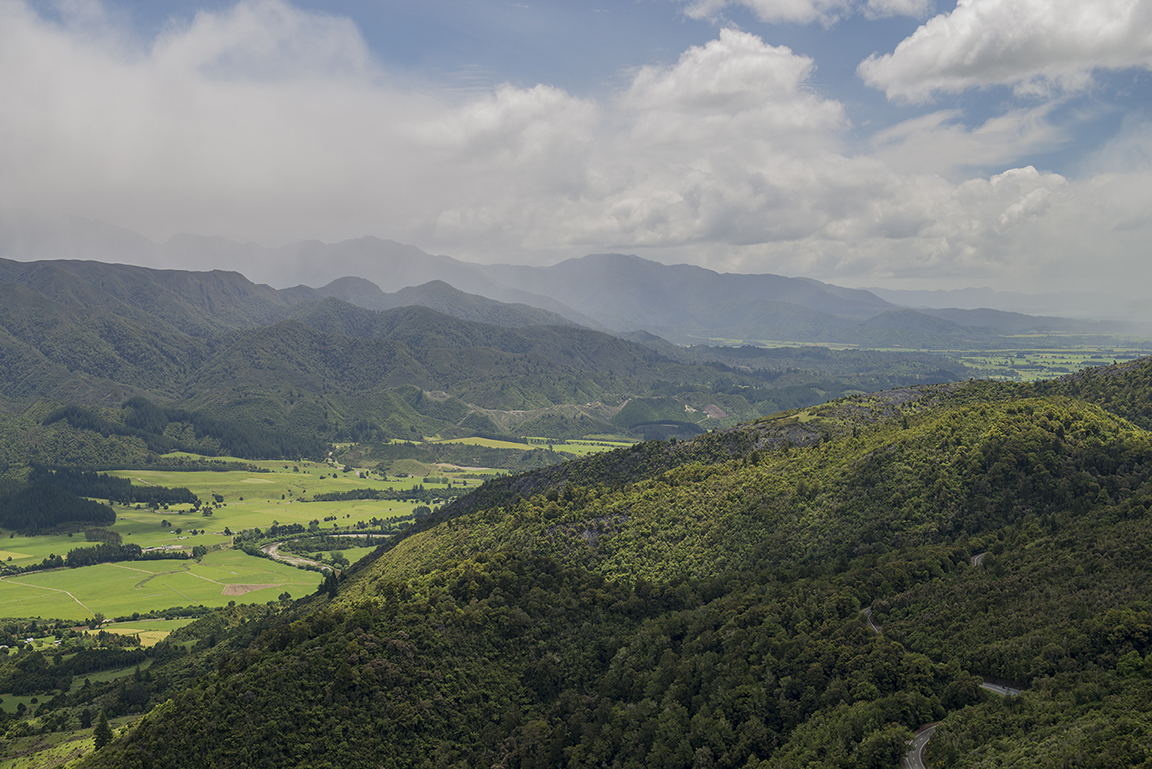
(899, 144)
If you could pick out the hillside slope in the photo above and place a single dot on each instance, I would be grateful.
(699, 604)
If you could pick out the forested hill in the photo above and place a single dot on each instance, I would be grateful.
(220, 348)
(702, 608)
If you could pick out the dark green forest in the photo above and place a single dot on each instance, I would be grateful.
(700, 604)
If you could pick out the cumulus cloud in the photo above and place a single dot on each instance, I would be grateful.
(1036, 46)
(702, 149)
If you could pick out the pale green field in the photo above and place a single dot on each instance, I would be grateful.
(100, 676)
(149, 631)
(11, 703)
(586, 447)
(577, 447)
(141, 586)
(488, 442)
(1033, 365)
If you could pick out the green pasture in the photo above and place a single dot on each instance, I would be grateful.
(353, 554)
(140, 586)
(490, 443)
(101, 676)
(251, 500)
(144, 526)
(1034, 365)
(577, 447)
(149, 631)
(257, 500)
(585, 447)
(280, 484)
(12, 703)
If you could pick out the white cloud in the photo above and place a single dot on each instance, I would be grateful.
(1036, 46)
(827, 12)
(739, 86)
(938, 143)
(264, 40)
(700, 150)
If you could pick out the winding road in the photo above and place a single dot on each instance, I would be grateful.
(272, 550)
(914, 758)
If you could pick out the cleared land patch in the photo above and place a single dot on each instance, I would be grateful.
(244, 589)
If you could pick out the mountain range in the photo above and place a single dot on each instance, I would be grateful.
(615, 292)
(97, 334)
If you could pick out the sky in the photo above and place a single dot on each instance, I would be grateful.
(891, 143)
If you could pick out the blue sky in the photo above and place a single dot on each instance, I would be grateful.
(897, 143)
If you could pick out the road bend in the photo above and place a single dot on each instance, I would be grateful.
(914, 758)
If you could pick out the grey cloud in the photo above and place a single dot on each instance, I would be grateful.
(728, 156)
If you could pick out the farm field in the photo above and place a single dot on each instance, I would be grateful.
(150, 631)
(140, 586)
(491, 443)
(570, 446)
(243, 500)
(581, 448)
(1024, 364)
(1032, 365)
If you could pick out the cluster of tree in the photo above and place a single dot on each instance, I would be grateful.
(1122, 389)
(42, 506)
(142, 419)
(106, 552)
(112, 553)
(329, 543)
(417, 492)
(33, 672)
(465, 455)
(567, 668)
(113, 488)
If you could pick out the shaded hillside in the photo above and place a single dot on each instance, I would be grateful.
(441, 297)
(102, 343)
(1121, 388)
(915, 330)
(438, 295)
(630, 292)
(485, 365)
(196, 303)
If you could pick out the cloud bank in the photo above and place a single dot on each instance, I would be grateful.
(271, 123)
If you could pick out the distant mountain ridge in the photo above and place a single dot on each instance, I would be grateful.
(442, 297)
(622, 293)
